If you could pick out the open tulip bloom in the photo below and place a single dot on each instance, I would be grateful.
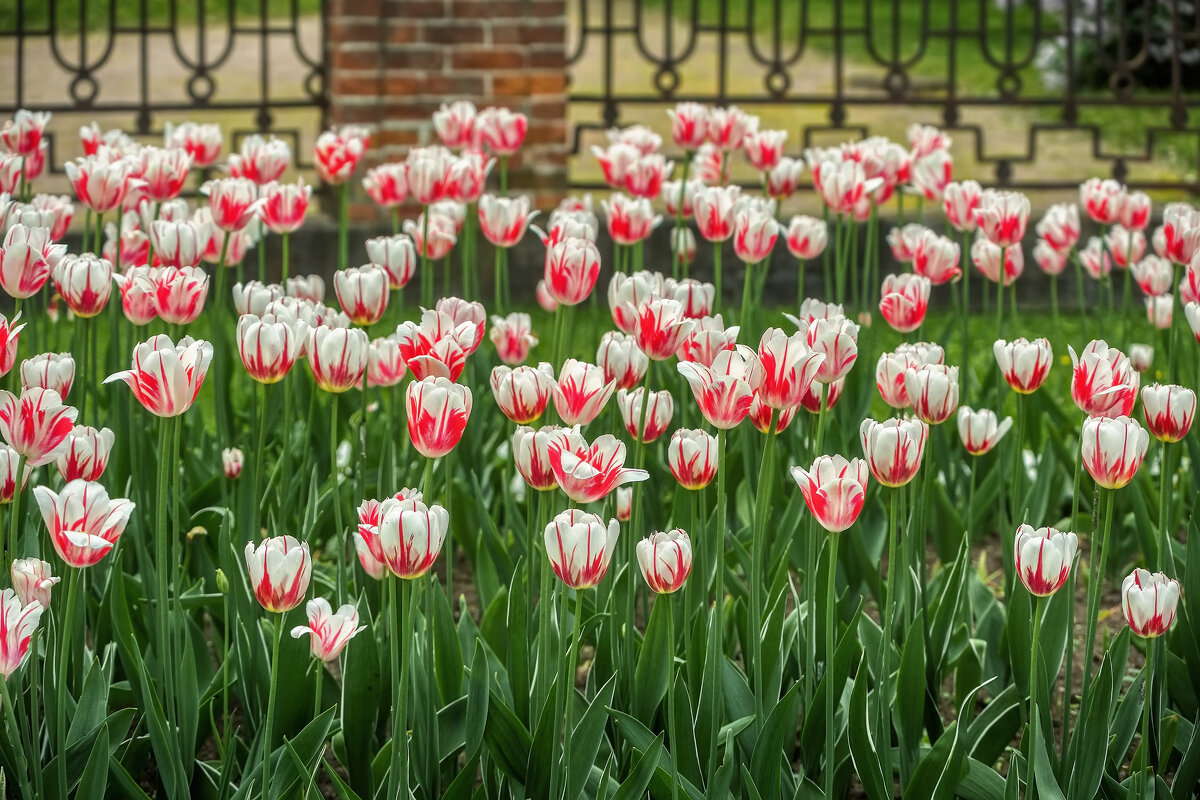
(834, 490)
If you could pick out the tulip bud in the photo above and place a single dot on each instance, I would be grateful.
(85, 283)
(32, 581)
(222, 581)
(231, 462)
(979, 430)
(1160, 310)
(834, 489)
(665, 560)
(932, 391)
(692, 458)
(523, 393)
(1025, 364)
(806, 237)
(580, 547)
(49, 371)
(280, 569)
(337, 357)
(18, 621)
(1043, 558)
(1141, 356)
(904, 300)
(329, 631)
(362, 292)
(571, 269)
(1149, 602)
(1169, 411)
(623, 362)
(1113, 449)
(624, 503)
(894, 449)
(657, 418)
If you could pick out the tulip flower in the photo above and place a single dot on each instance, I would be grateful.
(513, 337)
(764, 148)
(32, 581)
(1049, 260)
(438, 410)
(707, 339)
(904, 300)
(468, 178)
(179, 293)
(624, 503)
(837, 340)
(1059, 226)
(85, 283)
(648, 424)
(202, 142)
(923, 352)
(531, 452)
(83, 523)
(396, 254)
(504, 220)
(362, 292)
(725, 390)
(661, 328)
(11, 171)
(1149, 601)
(789, 365)
(581, 392)
(843, 184)
(544, 298)
(261, 160)
(522, 393)
(253, 297)
(806, 237)
(285, 205)
(715, 211)
(979, 430)
(455, 123)
(1043, 558)
(988, 256)
(689, 125)
(18, 621)
(767, 420)
(337, 153)
(630, 220)
(100, 181)
(501, 130)
(337, 357)
(24, 266)
(580, 547)
(834, 489)
(587, 473)
(23, 133)
(10, 334)
(936, 258)
(627, 294)
(893, 449)
(1103, 382)
(268, 349)
(234, 202)
(9, 459)
(960, 199)
(1002, 217)
(643, 177)
(931, 174)
(1103, 200)
(36, 424)
(1154, 275)
(623, 362)
(1169, 411)
(679, 197)
(280, 569)
(1160, 310)
(232, 460)
(49, 371)
(755, 232)
(164, 172)
(1192, 311)
(665, 559)
(932, 391)
(571, 269)
(1141, 356)
(1023, 363)
(811, 402)
(692, 458)
(1113, 449)
(889, 378)
(411, 534)
(461, 312)
(695, 296)
(329, 631)
(85, 453)
(904, 242)
(1126, 247)
(1095, 258)
(708, 165)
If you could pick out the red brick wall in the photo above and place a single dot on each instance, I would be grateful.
(393, 62)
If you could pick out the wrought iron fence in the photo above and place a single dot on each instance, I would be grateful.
(253, 65)
(1112, 82)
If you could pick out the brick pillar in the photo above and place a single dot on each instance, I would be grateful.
(392, 63)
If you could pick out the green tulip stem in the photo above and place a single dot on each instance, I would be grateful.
(889, 613)
(718, 296)
(831, 619)
(762, 508)
(1095, 580)
(60, 692)
(672, 732)
(277, 634)
(403, 608)
(335, 495)
(14, 737)
(1034, 672)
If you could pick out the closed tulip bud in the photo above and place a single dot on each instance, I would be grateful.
(18, 621)
(837, 340)
(1160, 310)
(8, 474)
(284, 205)
(455, 123)
(665, 559)
(806, 237)
(630, 220)
(201, 142)
(268, 349)
(904, 299)
(362, 292)
(337, 357)
(1126, 247)
(85, 453)
(692, 458)
(789, 365)
(85, 283)
(754, 234)
(513, 337)
(834, 489)
(624, 503)
(627, 294)
(1059, 226)
(1149, 601)
(783, 179)
(623, 362)
(580, 547)
(1169, 411)
(1113, 449)
(725, 391)
(36, 424)
(932, 392)
(280, 569)
(504, 220)
(893, 449)
(395, 254)
(32, 581)
(1043, 558)
(988, 256)
(501, 130)
(979, 430)
(231, 462)
(689, 125)
(83, 523)
(715, 207)
(936, 258)
(49, 371)
(1049, 260)
(657, 417)
(581, 392)
(889, 378)
(523, 393)
(571, 269)
(1141, 356)
(587, 473)
(960, 199)
(329, 631)
(233, 201)
(531, 452)
(1103, 200)
(1103, 382)
(1023, 363)
(438, 411)
(179, 292)
(1002, 216)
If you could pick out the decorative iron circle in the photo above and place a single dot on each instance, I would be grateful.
(666, 80)
(896, 83)
(314, 84)
(200, 87)
(83, 89)
(1121, 83)
(1009, 85)
(778, 81)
